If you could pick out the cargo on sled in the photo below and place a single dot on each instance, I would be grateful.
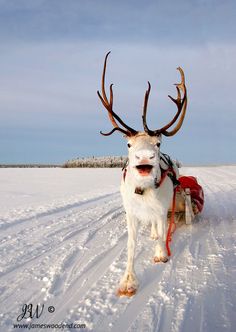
(189, 200)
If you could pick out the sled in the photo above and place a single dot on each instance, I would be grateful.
(189, 200)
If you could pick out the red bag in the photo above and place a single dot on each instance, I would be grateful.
(197, 194)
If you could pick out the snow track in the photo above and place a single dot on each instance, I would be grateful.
(70, 252)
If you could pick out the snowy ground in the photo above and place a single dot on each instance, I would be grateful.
(63, 244)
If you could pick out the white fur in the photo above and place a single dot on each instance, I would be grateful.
(151, 207)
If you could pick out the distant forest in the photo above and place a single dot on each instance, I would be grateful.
(96, 162)
(29, 165)
(83, 162)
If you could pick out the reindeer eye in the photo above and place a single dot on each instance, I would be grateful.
(129, 145)
(158, 145)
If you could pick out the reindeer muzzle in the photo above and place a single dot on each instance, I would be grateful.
(144, 170)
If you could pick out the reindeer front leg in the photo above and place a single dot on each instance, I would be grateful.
(160, 254)
(129, 283)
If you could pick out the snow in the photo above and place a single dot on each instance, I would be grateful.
(63, 244)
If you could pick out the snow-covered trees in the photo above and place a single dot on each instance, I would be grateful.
(96, 162)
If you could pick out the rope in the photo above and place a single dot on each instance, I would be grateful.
(172, 225)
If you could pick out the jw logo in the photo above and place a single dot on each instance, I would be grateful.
(31, 311)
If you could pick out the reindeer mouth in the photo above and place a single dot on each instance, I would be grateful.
(144, 170)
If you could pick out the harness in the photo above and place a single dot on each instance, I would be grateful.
(170, 172)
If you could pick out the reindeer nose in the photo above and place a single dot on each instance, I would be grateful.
(144, 155)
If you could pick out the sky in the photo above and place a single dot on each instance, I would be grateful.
(51, 59)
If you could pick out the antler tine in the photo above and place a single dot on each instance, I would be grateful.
(104, 77)
(113, 130)
(109, 104)
(103, 98)
(144, 116)
(177, 101)
(179, 124)
(181, 105)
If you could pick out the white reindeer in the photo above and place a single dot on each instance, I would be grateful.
(146, 188)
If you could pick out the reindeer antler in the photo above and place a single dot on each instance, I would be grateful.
(109, 105)
(181, 104)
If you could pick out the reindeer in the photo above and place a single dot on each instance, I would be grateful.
(147, 187)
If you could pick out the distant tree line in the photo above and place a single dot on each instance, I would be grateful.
(29, 166)
(96, 162)
(83, 162)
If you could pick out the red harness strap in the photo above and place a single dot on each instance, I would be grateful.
(172, 225)
(164, 175)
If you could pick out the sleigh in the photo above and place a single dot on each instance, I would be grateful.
(189, 200)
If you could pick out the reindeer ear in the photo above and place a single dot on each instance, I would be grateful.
(159, 137)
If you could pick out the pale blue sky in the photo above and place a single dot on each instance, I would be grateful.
(51, 58)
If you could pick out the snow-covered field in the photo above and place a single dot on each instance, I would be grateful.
(63, 244)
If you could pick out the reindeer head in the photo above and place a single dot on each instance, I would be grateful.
(144, 146)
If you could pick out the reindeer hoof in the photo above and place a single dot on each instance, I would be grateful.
(164, 259)
(126, 292)
(160, 260)
(156, 259)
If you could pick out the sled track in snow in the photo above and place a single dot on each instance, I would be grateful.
(41, 223)
(74, 256)
(54, 212)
